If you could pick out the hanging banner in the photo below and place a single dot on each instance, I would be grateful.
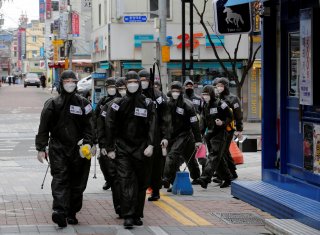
(63, 5)
(42, 10)
(64, 17)
(48, 9)
(86, 5)
(75, 24)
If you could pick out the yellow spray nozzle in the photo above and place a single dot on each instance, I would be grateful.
(85, 151)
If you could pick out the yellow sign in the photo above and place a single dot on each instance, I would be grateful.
(55, 54)
(66, 63)
(165, 53)
(57, 42)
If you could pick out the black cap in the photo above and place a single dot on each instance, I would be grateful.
(187, 82)
(68, 74)
(132, 75)
(144, 73)
(121, 81)
(176, 85)
(110, 81)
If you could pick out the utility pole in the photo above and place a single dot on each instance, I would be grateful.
(191, 40)
(163, 42)
(70, 36)
(183, 13)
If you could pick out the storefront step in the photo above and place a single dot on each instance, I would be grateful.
(280, 203)
(289, 227)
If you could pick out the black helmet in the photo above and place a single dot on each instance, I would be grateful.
(110, 81)
(144, 73)
(121, 81)
(68, 74)
(187, 82)
(176, 85)
(132, 75)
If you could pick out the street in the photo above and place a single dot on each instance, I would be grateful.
(25, 208)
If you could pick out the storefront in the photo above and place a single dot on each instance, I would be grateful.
(290, 186)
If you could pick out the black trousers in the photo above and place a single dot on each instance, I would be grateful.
(70, 177)
(182, 147)
(158, 162)
(134, 175)
(217, 159)
(230, 162)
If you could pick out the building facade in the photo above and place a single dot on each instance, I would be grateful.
(117, 37)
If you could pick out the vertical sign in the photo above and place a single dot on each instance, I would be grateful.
(75, 24)
(48, 9)
(253, 95)
(41, 10)
(23, 42)
(86, 5)
(19, 46)
(316, 149)
(64, 16)
(306, 91)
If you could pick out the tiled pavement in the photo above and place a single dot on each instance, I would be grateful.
(25, 208)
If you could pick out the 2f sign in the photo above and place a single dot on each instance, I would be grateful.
(235, 19)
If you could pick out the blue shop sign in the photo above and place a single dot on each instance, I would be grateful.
(99, 75)
(135, 19)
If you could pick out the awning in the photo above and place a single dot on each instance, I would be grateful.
(237, 2)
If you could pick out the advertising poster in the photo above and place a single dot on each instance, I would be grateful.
(75, 25)
(308, 146)
(316, 149)
(41, 10)
(48, 9)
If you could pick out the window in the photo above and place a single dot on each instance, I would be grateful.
(34, 38)
(154, 7)
(34, 53)
(294, 63)
(55, 5)
(99, 14)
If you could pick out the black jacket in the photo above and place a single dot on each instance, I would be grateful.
(196, 101)
(183, 118)
(66, 119)
(130, 124)
(234, 103)
(162, 115)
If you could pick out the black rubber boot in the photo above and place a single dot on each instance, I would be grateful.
(72, 219)
(155, 195)
(137, 222)
(59, 219)
(106, 186)
(128, 223)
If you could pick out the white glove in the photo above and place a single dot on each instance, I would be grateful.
(219, 122)
(238, 134)
(111, 155)
(104, 152)
(94, 150)
(148, 151)
(198, 144)
(42, 156)
(164, 143)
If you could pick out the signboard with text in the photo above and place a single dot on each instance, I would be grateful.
(235, 19)
(135, 19)
(42, 10)
(86, 5)
(48, 9)
(75, 25)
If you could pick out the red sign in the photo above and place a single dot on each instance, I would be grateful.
(48, 9)
(75, 25)
(196, 42)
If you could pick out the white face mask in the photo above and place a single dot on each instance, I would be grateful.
(206, 98)
(111, 91)
(144, 85)
(220, 89)
(132, 87)
(122, 92)
(175, 95)
(69, 87)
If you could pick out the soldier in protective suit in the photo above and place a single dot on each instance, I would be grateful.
(130, 127)
(184, 136)
(161, 135)
(110, 165)
(216, 121)
(65, 121)
(99, 126)
(233, 101)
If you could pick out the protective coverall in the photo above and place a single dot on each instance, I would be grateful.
(216, 137)
(65, 120)
(130, 125)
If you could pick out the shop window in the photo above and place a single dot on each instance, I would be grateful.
(55, 5)
(294, 63)
(154, 7)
